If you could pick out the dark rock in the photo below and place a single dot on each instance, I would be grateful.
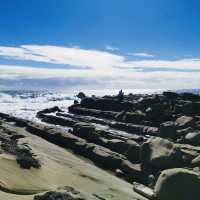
(128, 127)
(171, 95)
(134, 117)
(49, 110)
(133, 172)
(178, 184)
(81, 95)
(117, 145)
(56, 195)
(58, 120)
(84, 129)
(156, 113)
(26, 159)
(106, 158)
(183, 132)
(190, 96)
(106, 104)
(167, 130)
(133, 151)
(191, 108)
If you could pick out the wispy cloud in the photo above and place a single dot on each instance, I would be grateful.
(104, 67)
(111, 48)
(142, 54)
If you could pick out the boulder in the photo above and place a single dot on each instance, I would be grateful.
(178, 184)
(184, 121)
(183, 132)
(106, 104)
(167, 130)
(128, 127)
(191, 108)
(158, 153)
(133, 172)
(134, 117)
(157, 113)
(133, 151)
(106, 158)
(81, 95)
(49, 110)
(193, 138)
(85, 129)
(117, 145)
(148, 130)
(196, 162)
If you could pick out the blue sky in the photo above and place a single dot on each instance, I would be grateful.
(100, 43)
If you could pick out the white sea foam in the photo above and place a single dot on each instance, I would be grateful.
(27, 104)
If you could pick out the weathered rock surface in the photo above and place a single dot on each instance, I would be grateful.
(193, 138)
(158, 153)
(136, 137)
(178, 184)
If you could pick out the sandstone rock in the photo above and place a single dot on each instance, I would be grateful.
(148, 130)
(106, 158)
(196, 161)
(117, 145)
(158, 153)
(193, 138)
(184, 121)
(143, 190)
(178, 184)
(133, 172)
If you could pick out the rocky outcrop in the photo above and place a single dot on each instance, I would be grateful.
(70, 194)
(178, 184)
(10, 144)
(140, 138)
(158, 154)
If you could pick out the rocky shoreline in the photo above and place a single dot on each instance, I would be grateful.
(150, 141)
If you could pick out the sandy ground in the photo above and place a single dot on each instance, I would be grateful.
(60, 168)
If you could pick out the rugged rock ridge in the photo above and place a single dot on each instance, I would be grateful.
(149, 139)
(150, 133)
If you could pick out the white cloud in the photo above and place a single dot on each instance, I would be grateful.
(142, 54)
(120, 78)
(108, 68)
(111, 48)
